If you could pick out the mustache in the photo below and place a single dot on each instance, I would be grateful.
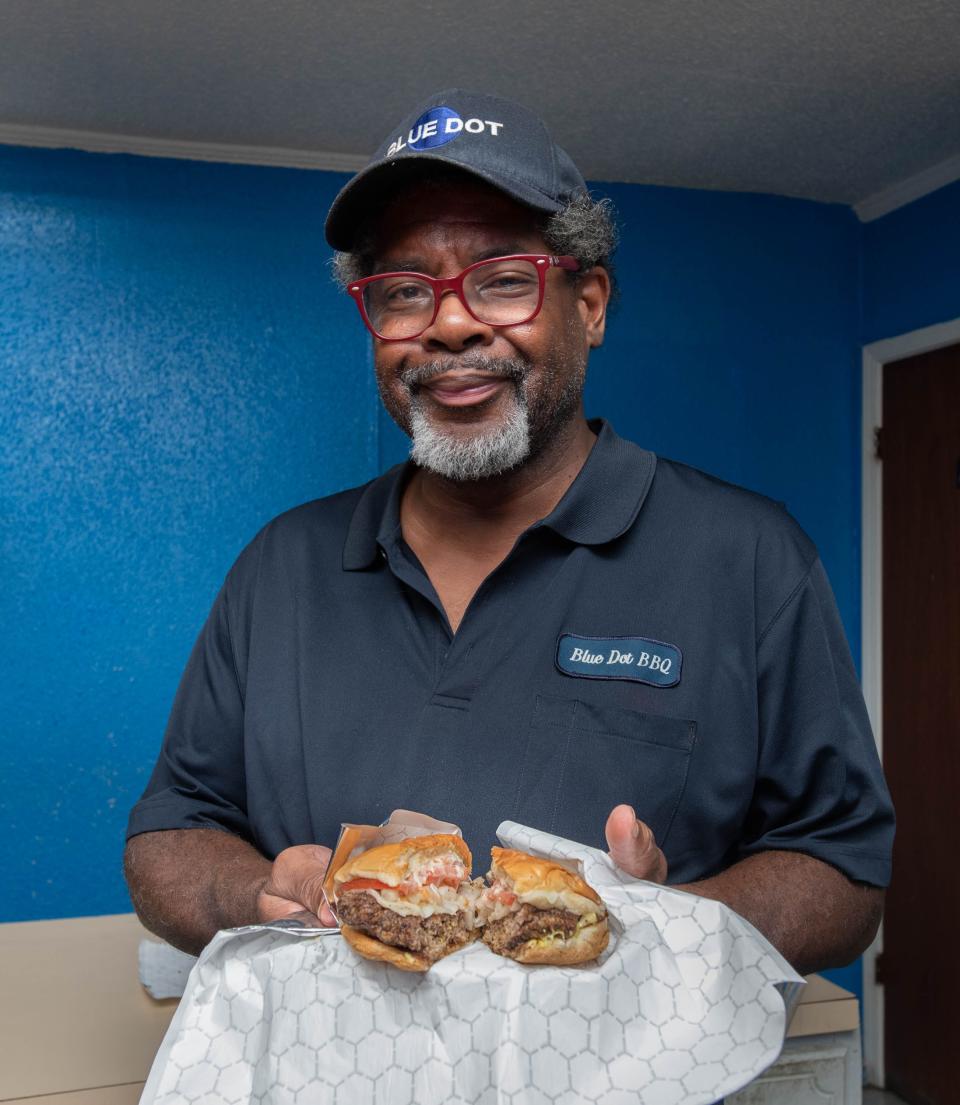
(505, 368)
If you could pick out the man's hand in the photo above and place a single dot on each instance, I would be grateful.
(812, 913)
(295, 887)
(186, 884)
(633, 847)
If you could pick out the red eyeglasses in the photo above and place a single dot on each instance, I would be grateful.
(504, 291)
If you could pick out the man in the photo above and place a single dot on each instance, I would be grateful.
(533, 619)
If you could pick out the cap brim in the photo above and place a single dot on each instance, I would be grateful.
(364, 195)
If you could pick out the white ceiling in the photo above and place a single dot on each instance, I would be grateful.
(833, 100)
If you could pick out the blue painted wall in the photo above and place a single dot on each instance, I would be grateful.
(177, 369)
(911, 271)
(175, 372)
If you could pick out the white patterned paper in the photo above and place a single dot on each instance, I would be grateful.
(684, 1007)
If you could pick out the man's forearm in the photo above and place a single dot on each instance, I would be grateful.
(815, 916)
(187, 884)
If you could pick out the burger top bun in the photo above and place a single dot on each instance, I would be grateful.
(395, 863)
(371, 948)
(543, 883)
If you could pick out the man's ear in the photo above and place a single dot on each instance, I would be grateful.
(593, 295)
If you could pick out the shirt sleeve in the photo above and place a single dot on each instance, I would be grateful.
(198, 781)
(820, 787)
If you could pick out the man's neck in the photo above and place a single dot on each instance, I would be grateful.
(500, 508)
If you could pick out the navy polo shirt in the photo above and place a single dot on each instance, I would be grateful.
(661, 638)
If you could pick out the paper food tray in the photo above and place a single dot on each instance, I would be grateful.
(686, 1006)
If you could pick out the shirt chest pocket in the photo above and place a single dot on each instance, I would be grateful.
(581, 759)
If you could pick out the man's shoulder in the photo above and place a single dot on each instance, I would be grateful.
(328, 515)
(727, 507)
(739, 535)
(312, 533)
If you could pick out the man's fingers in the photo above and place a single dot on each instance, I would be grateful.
(310, 866)
(318, 853)
(297, 877)
(633, 847)
(318, 856)
(307, 919)
(302, 863)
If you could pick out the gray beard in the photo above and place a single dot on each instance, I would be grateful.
(474, 458)
(483, 454)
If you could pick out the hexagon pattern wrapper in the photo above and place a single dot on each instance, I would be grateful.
(685, 1006)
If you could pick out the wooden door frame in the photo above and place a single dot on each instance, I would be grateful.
(875, 356)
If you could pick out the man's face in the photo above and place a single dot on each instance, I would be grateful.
(478, 399)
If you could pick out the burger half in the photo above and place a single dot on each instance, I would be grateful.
(536, 911)
(409, 903)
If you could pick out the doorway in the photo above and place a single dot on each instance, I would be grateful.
(912, 680)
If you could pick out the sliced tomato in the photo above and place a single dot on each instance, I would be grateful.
(440, 879)
(363, 884)
(403, 889)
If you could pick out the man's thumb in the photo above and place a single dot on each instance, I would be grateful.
(623, 833)
(632, 845)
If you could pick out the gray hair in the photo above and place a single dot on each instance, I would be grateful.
(585, 228)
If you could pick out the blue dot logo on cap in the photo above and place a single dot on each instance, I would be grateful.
(435, 127)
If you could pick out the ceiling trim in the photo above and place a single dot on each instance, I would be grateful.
(873, 207)
(98, 142)
(906, 191)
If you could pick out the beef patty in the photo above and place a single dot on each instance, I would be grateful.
(431, 937)
(528, 923)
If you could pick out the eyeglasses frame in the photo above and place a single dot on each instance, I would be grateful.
(441, 285)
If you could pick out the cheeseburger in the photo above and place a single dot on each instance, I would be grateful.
(536, 911)
(408, 903)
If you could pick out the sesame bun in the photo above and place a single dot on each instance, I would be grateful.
(544, 884)
(394, 863)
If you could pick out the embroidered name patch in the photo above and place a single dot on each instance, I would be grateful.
(638, 658)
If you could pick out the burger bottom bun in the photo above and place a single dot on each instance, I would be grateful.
(371, 948)
(587, 944)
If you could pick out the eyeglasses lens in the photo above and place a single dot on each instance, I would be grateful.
(498, 293)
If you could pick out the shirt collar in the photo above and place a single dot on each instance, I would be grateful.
(606, 497)
(601, 503)
(376, 518)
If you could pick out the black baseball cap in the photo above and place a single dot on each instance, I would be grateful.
(494, 139)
